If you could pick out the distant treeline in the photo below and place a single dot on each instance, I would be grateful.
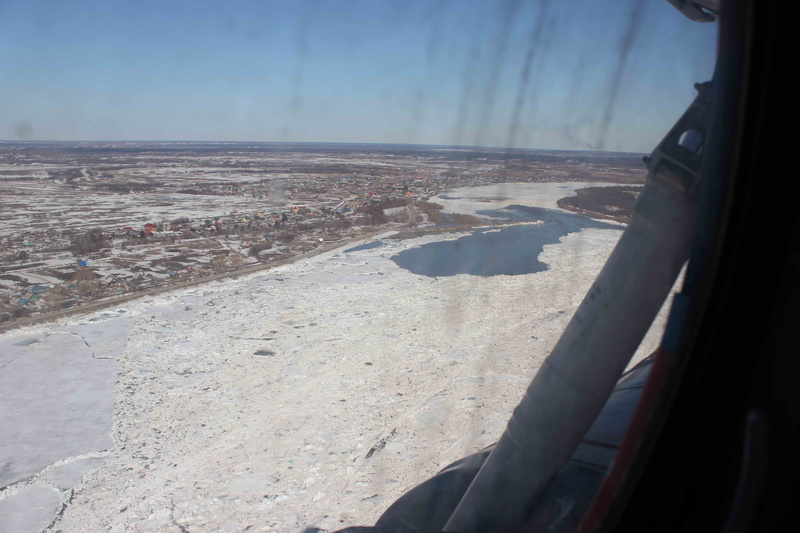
(613, 202)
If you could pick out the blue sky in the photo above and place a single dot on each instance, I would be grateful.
(524, 73)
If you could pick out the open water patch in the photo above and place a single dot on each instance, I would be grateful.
(500, 250)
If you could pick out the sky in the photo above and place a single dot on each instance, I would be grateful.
(549, 74)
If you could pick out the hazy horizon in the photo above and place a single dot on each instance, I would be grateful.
(321, 143)
(514, 73)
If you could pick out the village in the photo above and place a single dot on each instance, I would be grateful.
(51, 270)
(81, 223)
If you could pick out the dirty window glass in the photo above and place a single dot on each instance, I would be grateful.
(267, 266)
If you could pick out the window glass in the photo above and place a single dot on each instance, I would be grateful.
(270, 265)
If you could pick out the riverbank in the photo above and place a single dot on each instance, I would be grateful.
(118, 300)
(590, 201)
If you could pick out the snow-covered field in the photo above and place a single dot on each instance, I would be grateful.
(473, 199)
(310, 395)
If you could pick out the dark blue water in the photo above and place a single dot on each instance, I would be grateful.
(368, 246)
(488, 252)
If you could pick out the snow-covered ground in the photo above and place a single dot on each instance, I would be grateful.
(473, 199)
(310, 395)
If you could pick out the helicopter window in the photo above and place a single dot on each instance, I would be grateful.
(287, 260)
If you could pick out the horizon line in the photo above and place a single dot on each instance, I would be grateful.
(449, 146)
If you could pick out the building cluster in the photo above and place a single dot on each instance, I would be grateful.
(55, 269)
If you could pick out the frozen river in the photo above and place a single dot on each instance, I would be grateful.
(313, 394)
